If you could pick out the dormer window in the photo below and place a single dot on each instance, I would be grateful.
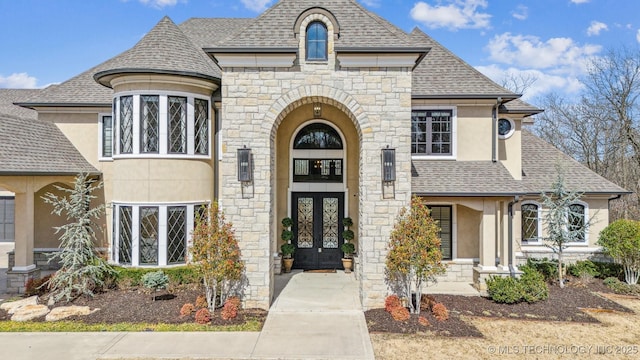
(316, 41)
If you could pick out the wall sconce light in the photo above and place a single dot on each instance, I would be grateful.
(317, 110)
(388, 164)
(245, 165)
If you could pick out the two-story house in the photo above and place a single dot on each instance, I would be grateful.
(313, 110)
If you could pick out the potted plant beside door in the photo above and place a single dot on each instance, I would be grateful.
(287, 247)
(347, 247)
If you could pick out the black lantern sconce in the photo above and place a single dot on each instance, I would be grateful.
(317, 110)
(388, 165)
(245, 168)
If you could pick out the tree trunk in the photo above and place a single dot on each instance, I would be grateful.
(560, 277)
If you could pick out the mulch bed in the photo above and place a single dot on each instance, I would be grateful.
(565, 304)
(138, 306)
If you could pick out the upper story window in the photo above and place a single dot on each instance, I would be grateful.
(157, 125)
(106, 136)
(432, 132)
(316, 41)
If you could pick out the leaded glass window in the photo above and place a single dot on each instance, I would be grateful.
(317, 136)
(530, 221)
(431, 132)
(176, 234)
(330, 223)
(177, 124)
(305, 222)
(125, 238)
(576, 221)
(126, 124)
(107, 136)
(316, 41)
(149, 235)
(201, 126)
(150, 125)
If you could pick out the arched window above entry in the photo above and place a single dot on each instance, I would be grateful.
(316, 41)
(317, 136)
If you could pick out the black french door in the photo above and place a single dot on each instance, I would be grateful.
(317, 230)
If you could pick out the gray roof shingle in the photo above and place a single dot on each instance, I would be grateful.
(164, 49)
(209, 32)
(359, 28)
(463, 178)
(540, 160)
(10, 96)
(34, 147)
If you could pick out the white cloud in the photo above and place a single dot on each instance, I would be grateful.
(372, 3)
(545, 82)
(256, 5)
(596, 27)
(521, 12)
(458, 14)
(18, 81)
(159, 4)
(531, 52)
(579, 1)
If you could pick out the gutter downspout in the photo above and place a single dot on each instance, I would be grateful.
(512, 269)
(494, 131)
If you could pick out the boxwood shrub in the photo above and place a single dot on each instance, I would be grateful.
(530, 287)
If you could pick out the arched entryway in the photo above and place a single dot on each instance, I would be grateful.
(317, 181)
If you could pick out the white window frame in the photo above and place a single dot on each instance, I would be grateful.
(101, 139)
(454, 133)
(539, 239)
(511, 132)
(163, 126)
(162, 231)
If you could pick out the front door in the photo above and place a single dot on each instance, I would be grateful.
(317, 230)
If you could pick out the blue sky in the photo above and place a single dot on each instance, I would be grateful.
(45, 42)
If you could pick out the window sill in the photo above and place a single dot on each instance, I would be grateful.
(160, 156)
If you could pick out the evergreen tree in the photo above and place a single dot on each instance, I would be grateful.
(82, 270)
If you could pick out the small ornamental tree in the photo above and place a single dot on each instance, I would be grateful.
(414, 256)
(557, 220)
(82, 269)
(216, 254)
(621, 241)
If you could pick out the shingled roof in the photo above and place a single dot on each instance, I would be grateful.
(540, 161)
(165, 49)
(53, 155)
(209, 32)
(463, 178)
(9, 96)
(359, 28)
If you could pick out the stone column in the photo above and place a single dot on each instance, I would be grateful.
(503, 237)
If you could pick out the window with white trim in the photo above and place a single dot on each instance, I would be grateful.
(317, 39)
(530, 222)
(153, 234)
(7, 218)
(432, 132)
(106, 136)
(161, 125)
(577, 221)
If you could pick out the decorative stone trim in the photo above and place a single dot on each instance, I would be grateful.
(17, 280)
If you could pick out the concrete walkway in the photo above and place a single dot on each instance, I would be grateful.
(315, 316)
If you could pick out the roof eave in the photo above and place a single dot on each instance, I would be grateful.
(103, 77)
(468, 194)
(31, 105)
(378, 50)
(466, 96)
(54, 173)
(256, 50)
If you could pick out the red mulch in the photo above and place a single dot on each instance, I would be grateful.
(562, 305)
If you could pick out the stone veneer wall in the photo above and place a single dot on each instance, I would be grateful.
(458, 272)
(40, 259)
(568, 256)
(254, 102)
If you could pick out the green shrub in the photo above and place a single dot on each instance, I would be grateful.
(609, 269)
(180, 275)
(583, 268)
(534, 287)
(621, 287)
(506, 290)
(155, 280)
(548, 268)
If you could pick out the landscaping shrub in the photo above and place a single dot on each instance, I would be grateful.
(548, 268)
(506, 290)
(609, 269)
(230, 308)
(186, 309)
(621, 287)
(428, 301)
(423, 321)
(400, 314)
(392, 302)
(201, 302)
(132, 277)
(203, 316)
(534, 287)
(583, 268)
(440, 312)
(36, 286)
(155, 280)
